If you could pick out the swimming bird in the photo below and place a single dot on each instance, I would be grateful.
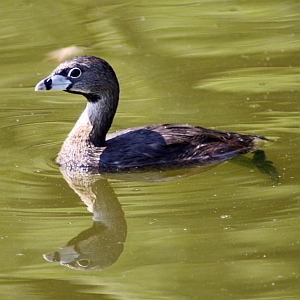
(89, 146)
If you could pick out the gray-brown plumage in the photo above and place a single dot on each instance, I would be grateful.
(164, 146)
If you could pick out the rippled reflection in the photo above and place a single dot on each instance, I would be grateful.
(100, 245)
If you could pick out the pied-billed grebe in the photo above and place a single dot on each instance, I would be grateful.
(169, 145)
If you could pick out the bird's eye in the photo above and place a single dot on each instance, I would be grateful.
(74, 73)
(84, 263)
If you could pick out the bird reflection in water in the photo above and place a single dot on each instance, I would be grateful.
(99, 246)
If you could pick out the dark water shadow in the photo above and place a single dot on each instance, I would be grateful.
(259, 161)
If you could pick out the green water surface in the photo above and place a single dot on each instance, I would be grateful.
(226, 232)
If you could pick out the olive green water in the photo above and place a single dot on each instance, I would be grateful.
(228, 232)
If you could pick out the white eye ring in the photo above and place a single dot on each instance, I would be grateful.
(84, 263)
(74, 73)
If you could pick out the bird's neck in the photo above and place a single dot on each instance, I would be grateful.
(101, 111)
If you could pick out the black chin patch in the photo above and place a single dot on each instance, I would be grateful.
(69, 87)
(48, 83)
